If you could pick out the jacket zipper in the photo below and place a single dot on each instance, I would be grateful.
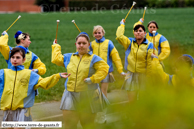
(14, 88)
(136, 57)
(76, 73)
(99, 50)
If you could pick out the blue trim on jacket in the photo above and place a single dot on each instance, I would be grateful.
(67, 58)
(29, 100)
(1, 83)
(101, 40)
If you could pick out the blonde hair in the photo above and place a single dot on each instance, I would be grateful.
(97, 28)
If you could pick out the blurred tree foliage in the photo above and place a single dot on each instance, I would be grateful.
(79, 5)
(50, 5)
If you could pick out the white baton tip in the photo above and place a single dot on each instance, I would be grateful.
(145, 8)
(134, 2)
(19, 16)
(153, 32)
(73, 21)
(58, 20)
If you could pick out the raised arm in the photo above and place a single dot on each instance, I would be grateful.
(139, 22)
(121, 38)
(4, 48)
(57, 57)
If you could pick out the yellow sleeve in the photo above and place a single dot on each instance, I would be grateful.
(4, 48)
(157, 71)
(123, 40)
(47, 82)
(116, 60)
(37, 64)
(149, 61)
(165, 50)
(101, 68)
(57, 57)
(137, 23)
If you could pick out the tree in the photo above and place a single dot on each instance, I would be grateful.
(50, 5)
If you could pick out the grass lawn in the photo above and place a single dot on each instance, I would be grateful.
(176, 24)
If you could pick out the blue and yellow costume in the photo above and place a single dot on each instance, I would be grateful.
(32, 61)
(89, 65)
(166, 79)
(18, 85)
(161, 43)
(107, 51)
(137, 60)
(76, 89)
(137, 57)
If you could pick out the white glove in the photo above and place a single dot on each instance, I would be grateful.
(122, 22)
(141, 20)
(153, 56)
(54, 42)
(88, 80)
(123, 73)
(35, 70)
(4, 33)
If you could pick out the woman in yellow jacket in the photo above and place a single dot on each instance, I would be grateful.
(107, 51)
(183, 72)
(161, 43)
(32, 61)
(22, 39)
(18, 85)
(138, 52)
(82, 98)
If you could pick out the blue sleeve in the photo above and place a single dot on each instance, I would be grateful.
(150, 46)
(162, 39)
(110, 46)
(131, 39)
(34, 77)
(90, 47)
(34, 57)
(96, 59)
(1, 82)
(29, 101)
(67, 58)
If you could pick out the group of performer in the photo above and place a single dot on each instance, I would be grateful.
(89, 71)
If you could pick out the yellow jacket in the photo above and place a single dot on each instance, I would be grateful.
(137, 57)
(107, 51)
(32, 61)
(161, 43)
(18, 85)
(166, 79)
(89, 66)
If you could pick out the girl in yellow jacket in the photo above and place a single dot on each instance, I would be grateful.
(18, 85)
(161, 43)
(183, 72)
(138, 52)
(81, 99)
(22, 39)
(32, 61)
(107, 51)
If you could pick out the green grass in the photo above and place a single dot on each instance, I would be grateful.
(175, 24)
